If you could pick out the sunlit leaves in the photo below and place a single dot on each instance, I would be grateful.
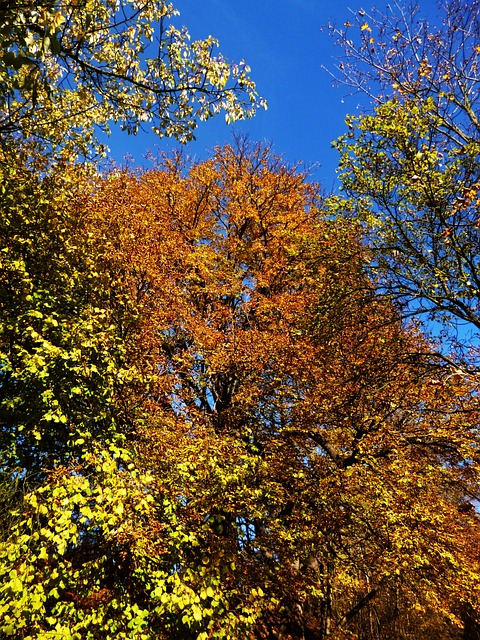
(58, 584)
(412, 166)
(68, 66)
(60, 353)
(214, 427)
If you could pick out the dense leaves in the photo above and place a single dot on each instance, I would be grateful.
(61, 356)
(276, 459)
(212, 425)
(69, 65)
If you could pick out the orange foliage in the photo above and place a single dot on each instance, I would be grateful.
(315, 451)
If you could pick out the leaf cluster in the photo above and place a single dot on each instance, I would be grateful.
(412, 165)
(261, 449)
(70, 68)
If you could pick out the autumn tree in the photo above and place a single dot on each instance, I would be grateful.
(411, 164)
(67, 69)
(410, 169)
(285, 465)
(317, 444)
(68, 66)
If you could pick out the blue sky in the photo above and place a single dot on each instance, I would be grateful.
(285, 42)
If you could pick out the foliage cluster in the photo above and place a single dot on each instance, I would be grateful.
(412, 165)
(213, 424)
(222, 431)
(68, 68)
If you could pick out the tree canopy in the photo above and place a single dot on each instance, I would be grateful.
(232, 435)
(69, 67)
(412, 165)
(215, 421)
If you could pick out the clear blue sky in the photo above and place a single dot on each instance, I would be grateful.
(285, 42)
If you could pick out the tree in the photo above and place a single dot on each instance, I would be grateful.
(62, 355)
(70, 66)
(412, 164)
(282, 465)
